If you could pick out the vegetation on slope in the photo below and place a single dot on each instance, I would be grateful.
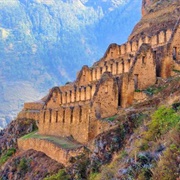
(61, 175)
(9, 136)
(15, 164)
(7, 155)
(152, 151)
(31, 165)
(144, 143)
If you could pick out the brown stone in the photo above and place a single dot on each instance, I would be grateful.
(117, 80)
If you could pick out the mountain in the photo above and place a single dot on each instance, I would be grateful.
(138, 141)
(44, 42)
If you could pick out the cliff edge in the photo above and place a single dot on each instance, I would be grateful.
(157, 15)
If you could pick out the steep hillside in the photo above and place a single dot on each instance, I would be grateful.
(44, 43)
(25, 164)
(143, 144)
(152, 151)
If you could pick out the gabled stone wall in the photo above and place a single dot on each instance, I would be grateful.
(69, 121)
(141, 76)
(76, 120)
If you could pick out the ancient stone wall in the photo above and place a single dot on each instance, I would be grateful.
(75, 96)
(66, 122)
(127, 91)
(84, 76)
(76, 120)
(52, 150)
(166, 67)
(159, 39)
(143, 71)
(171, 60)
(156, 40)
(112, 52)
(33, 105)
(29, 114)
(175, 44)
(118, 52)
(105, 100)
(119, 58)
(141, 76)
(31, 110)
(77, 109)
(140, 96)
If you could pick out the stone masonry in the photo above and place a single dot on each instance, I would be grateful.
(115, 81)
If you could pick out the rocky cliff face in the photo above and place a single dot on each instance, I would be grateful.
(157, 15)
(149, 6)
(146, 6)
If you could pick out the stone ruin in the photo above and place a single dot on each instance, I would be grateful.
(115, 81)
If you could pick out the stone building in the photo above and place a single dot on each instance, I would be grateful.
(115, 81)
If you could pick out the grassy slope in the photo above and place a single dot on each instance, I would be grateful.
(59, 141)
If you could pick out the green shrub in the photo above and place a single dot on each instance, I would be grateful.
(111, 118)
(138, 90)
(145, 174)
(144, 146)
(7, 155)
(138, 118)
(23, 165)
(11, 151)
(176, 71)
(123, 154)
(94, 176)
(61, 175)
(154, 90)
(149, 91)
(162, 121)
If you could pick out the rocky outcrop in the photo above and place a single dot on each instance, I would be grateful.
(16, 129)
(30, 165)
(145, 6)
(157, 15)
